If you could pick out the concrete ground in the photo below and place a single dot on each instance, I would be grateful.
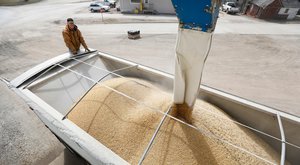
(251, 58)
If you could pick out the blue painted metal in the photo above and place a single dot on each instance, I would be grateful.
(197, 14)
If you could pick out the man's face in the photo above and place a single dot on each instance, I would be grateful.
(71, 25)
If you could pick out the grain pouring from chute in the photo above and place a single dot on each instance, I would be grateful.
(192, 48)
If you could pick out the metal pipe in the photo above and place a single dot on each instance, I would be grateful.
(54, 65)
(92, 88)
(283, 150)
(153, 137)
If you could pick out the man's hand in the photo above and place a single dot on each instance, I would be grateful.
(87, 50)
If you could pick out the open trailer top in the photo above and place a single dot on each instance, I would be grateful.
(53, 87)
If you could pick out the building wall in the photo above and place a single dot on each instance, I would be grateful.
(161, 6)
(127, 7)
(271, 11)
(253, 10)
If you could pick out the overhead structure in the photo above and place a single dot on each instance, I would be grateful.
(197, 20)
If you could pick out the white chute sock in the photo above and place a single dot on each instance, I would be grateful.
(192, 49)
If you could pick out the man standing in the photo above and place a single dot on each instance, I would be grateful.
(73, 37)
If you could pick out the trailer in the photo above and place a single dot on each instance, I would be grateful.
(51, 88)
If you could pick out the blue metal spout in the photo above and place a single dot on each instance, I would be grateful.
(197, 14)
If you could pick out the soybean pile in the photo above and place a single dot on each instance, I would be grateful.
(126, 127)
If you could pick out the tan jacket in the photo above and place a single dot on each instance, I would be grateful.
(73, 39)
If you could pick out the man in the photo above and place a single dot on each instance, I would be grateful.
(73, 37)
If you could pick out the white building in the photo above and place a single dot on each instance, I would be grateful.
(156, 6)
